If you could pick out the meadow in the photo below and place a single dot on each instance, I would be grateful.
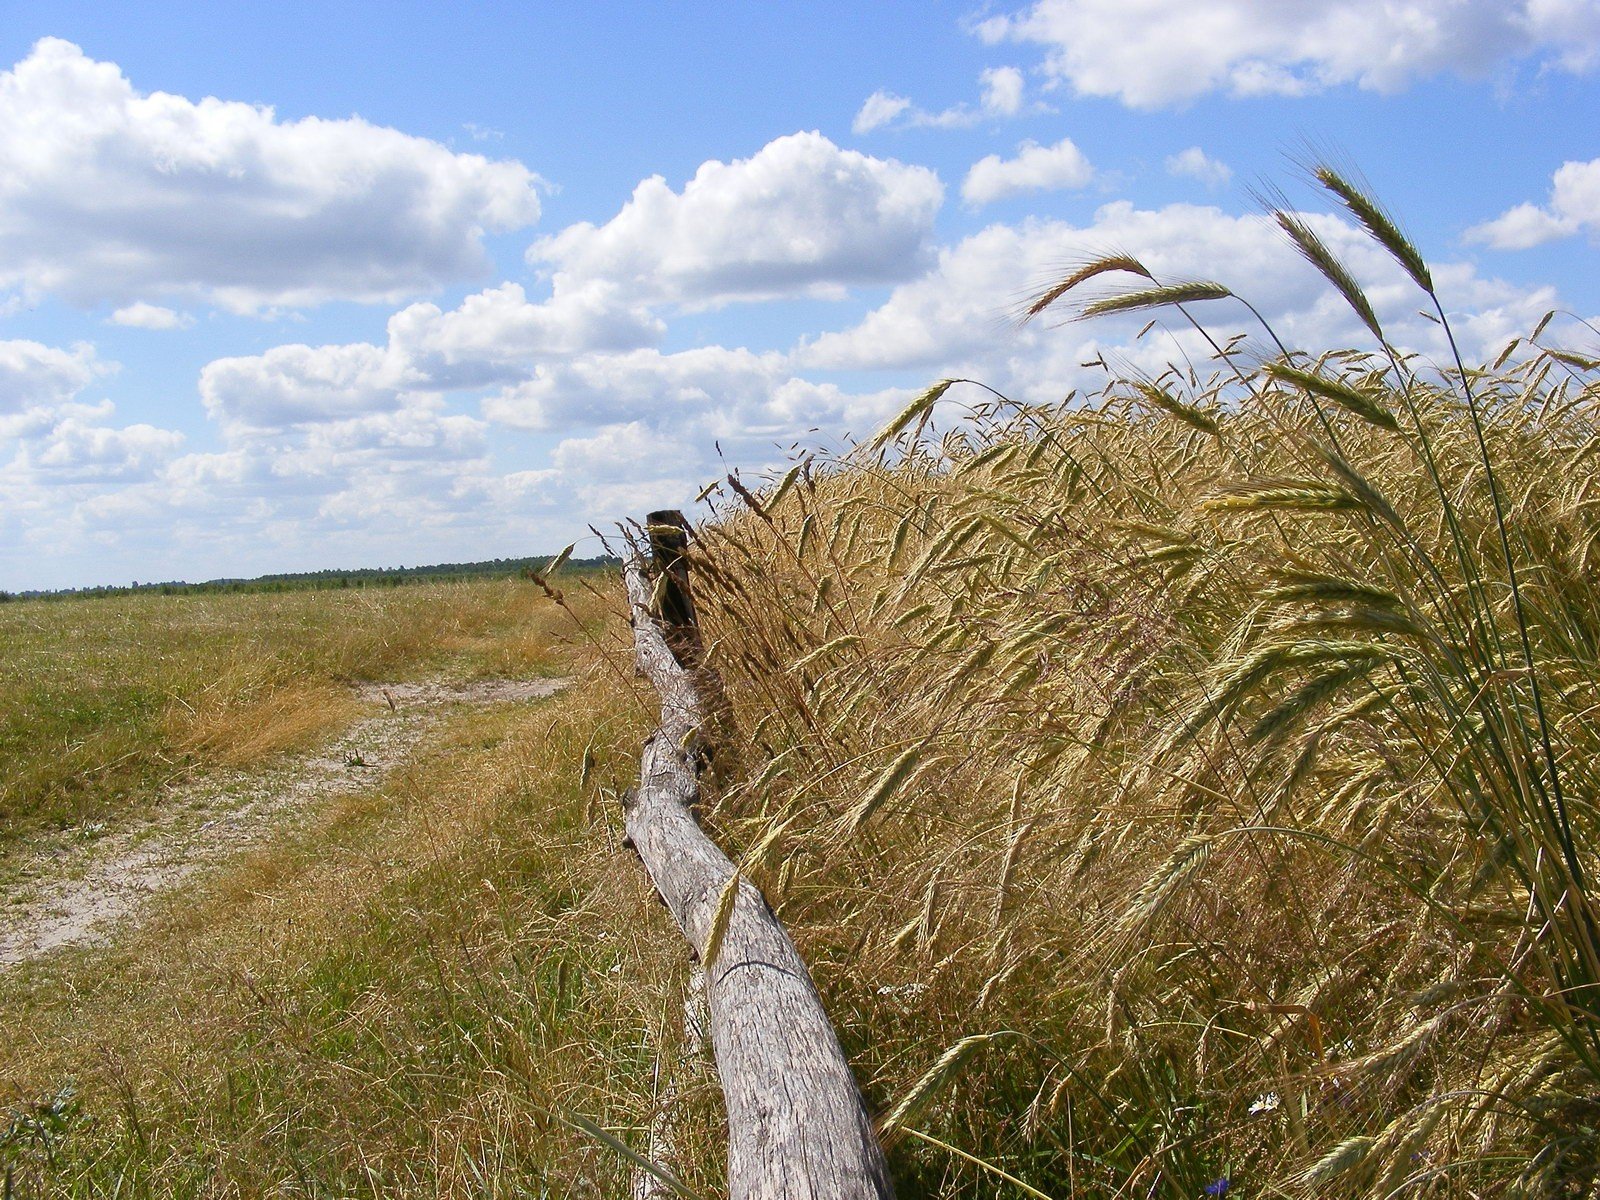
(394, 993)
(105, 701)
(1187, 790)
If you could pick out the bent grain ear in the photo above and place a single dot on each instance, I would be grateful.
(797, 1126)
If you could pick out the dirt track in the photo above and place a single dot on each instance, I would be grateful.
(80, 892)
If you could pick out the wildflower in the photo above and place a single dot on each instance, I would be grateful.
(1219, 1188)
(1265, 1103)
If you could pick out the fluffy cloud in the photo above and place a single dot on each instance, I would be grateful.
(742, 400)
(1195, 163)
(608, 389)
(352, 451)
(81, 451)
(632, 430)
(799, 217)
(499, 333)
(295, 384)
(879, 109)
(627, 469)
(1574, 206)
(1002, 91)
(645, 429)
(1003, 95)
(1035, 168)
(492, 338)
(110, 194)
(36, 376)
(405, 485)
(150, 316)
(629, 450)
(1160, 52)
(384, 443)
(58, 441)
(962, 317)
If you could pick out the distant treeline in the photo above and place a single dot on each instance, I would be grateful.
(361, 577)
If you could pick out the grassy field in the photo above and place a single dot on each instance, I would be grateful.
(1188, 792)
(411, 989)
(104, 702)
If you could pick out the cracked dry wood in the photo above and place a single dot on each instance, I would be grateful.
(797, 1127)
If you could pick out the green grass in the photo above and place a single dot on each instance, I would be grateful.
(101, 704)
(422, 989)
(407, 996)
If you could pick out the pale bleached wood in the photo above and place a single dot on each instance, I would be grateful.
(797, 1127)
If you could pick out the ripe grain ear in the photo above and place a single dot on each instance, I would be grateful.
(895, 774)
(726, 899)
(1378, 223)
(918, 408)
(1099, 266)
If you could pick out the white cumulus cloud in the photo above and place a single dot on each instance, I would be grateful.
(492, 338)
(296, 384)
(142, 315)
(747, 402)
(962, 317)
(645, 428)
(1195, 163)
(1153, 53)
(36, 376)
(879, 109)
(1035, 168)
(81, 451)
(112, 194)
(1003, 94)
(498, 333)
(606, 389)
(61, 446)
(799, 217)
(1574, 206)
(1002, 91)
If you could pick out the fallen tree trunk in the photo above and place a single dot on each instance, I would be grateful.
(797, 1127)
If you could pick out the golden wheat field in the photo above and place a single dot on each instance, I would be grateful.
(1194, 786)
(1184, 791)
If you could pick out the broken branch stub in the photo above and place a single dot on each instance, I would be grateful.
(673, 604)
(797, 1126)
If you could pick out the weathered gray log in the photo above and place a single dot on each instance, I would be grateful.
(797, 1127)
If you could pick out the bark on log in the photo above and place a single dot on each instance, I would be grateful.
(797, 1127)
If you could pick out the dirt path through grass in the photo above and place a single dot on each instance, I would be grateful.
(79, 891)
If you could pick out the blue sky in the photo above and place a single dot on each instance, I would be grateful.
(283, 289)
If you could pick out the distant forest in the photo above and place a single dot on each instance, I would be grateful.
(360, 577)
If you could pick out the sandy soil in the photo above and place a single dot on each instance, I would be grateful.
(77, 892)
